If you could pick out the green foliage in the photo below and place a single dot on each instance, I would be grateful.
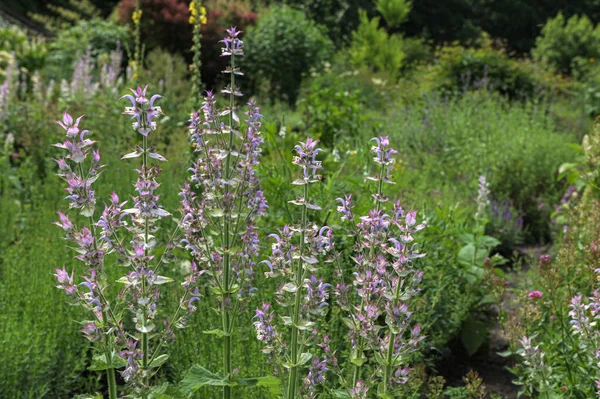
(567, 45)
(62, 16)
(282, 49)
(466, 137)
(168, 70)
(340, 17)
(395, 12)
(482, 65)
(30, 53)
(99, 35)
(373, 48)
(330, 112)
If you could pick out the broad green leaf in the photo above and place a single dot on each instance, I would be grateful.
(470, 255)
(145, 328)
(271, 383)
(304, 358)
(488, 242)
(473, 335)
(197, 377)
(166, 391)
(99, 363)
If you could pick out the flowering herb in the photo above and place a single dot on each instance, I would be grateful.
(384, 281)
(138, 301)
(295, 256)
(224, 199)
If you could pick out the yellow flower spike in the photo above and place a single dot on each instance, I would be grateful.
(192, 9)
(136, 17)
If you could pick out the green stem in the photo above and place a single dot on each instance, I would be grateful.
(226, 299)
(145, 351)
(110, 370)
(390, 353)
(293, 378)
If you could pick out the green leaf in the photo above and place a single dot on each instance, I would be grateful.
(147, 328)
(197, 377)
(290, 287)
(99, 363)
(88, 396)
(473, 335)
(217, 332)
(357, 358)
(469, 255)
(271, 383)
(505, 353)
(166, 391)
(305, 325)
(340, 394)
(304, 358)
(381, 392)
(162, 280)
(159, 361)
(487, 299)
(123, 280)
(488, 242)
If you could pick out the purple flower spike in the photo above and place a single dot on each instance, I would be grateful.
(142, 110)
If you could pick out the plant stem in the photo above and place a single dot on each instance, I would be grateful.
(144, 334)
(390, 353)
(296, 316)
(110, 370)
(226, 299)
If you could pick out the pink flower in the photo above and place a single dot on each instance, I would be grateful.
(535, 295)
(15, 155)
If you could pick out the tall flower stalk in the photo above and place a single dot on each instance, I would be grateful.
(197, 19)
(93, 239)
(221, 205)
(91, 250)
(385, 279)
(295, 257)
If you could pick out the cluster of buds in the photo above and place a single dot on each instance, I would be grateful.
(384, 281)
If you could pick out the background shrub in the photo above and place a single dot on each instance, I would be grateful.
(459, 68)
(567, 45)
(98, 34)
(374, 49)
(282, 49)
(30, 53)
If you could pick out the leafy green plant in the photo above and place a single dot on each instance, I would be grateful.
(373, 48)
(30, 53)
(283, 48)
(395, 12)
(331, 113)
(567, 45)
(99, 35)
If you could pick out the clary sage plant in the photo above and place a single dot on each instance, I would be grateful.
(220, 205)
